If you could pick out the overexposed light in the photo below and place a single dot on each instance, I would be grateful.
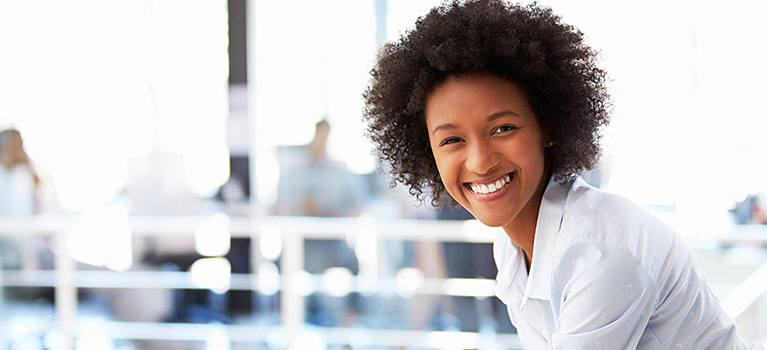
(120, 256)
(152, 79)
(212, 273)
(213, 237)
(101, 237)
(475, 230)
(268, 278)
(30, 343)
(469, 287)
(304, 284)
(276, 339)
(367, 280)
(218, 339)
(311, 339)
(268, 174)
(338, 281)
(278, 44)
(77, 188)
(189, 53)
(452, 340)
(207, 168)
(361, 339)
(270, 242)
(360, 158)
(366, 250)
(346, 76)
(366, 239)
(408, 281)
(402, 15)
(94, 341)
(54, 339)
(330, 85)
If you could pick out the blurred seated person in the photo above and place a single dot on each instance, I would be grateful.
(313, 184)
(18, 184)
(18, 180)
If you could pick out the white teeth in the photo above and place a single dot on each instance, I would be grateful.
(485, 189)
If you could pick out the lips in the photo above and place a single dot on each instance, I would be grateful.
(490, 187)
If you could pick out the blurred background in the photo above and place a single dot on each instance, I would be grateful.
(193, 174)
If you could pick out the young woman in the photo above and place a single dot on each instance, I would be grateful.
(500, 106)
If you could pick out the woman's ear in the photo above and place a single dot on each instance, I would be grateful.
(547, 141)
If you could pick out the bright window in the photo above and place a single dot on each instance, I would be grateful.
(94, 84)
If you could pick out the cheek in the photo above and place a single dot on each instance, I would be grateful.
(536, 160)
(536, 164)
(444, 175)
(447, 175)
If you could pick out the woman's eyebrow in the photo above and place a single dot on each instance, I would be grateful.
(490, 118)
(446, 126)
(500, 114)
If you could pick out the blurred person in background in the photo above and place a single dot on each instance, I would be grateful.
(501, 107)
(18, 181)
(313, 184)
(18, 197)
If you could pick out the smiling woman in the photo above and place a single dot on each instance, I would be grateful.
(501, 106)
(489, 148)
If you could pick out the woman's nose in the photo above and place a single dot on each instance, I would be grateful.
(481, 158)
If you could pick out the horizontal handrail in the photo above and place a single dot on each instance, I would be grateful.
(472, 287)
(267, 334)
(245, 226)
(317, 227)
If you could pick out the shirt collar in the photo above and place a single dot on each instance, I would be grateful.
(512, 274)
(550, 217)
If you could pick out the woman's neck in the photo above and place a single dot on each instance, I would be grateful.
(521, 231)
(523, 235)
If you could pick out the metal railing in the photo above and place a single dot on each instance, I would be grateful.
(66, 279)
(746, 303)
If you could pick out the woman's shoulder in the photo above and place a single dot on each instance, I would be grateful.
(603, 220)
(606, 213)
(586, 199)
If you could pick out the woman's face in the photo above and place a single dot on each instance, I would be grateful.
(488, 147)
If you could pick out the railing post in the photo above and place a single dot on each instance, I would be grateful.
(65, 291)
(292, 301)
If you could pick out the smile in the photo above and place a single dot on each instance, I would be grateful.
(491, 187)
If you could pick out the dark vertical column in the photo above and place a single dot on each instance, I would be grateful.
(239, 302)
(238, 53)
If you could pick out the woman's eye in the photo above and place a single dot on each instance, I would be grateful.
(504, 128)
(449, 140)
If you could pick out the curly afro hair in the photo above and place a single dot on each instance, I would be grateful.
(525, 44)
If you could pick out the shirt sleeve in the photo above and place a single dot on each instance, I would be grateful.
(602, 297)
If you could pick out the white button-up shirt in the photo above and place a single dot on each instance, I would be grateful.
(606, 274)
